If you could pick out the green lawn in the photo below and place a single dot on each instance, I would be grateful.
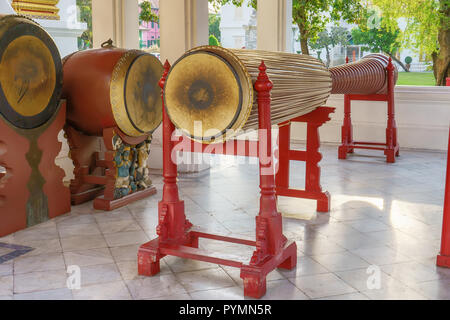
(416, 79)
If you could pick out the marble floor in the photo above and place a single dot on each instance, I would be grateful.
(379, 241)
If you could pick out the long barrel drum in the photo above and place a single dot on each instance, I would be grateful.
(30, 73)
(209, 92)
(113, 87)
(366, 76)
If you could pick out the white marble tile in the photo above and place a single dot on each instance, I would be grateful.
(106, 291)
(120, 239)
(88, 257)
(156, 286)
(340, 261)
(43, 262)
(56, 294)
(125, 253)
(99, 274)
(322, 285)
(83, 243)
(40, 281)
(6, 269)
(6, 285)
(380, 255)
(118, 226)
(349, 296)
(283, 290)
(78, 230)
(205, 279)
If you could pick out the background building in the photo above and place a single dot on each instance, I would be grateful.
(149, 31)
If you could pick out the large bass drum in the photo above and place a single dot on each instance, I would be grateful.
(30, 73)
(214, 86)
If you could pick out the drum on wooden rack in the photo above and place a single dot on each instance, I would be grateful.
(113, 87)
(30, 73)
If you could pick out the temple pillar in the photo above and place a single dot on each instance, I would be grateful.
(274, 26)
(117, 20)
(183, 25)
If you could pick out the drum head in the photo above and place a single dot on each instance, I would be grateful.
(143, 94)
(30, 74)
(203, 95)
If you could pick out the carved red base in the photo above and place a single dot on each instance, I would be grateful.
(100, 203)
(95, 172)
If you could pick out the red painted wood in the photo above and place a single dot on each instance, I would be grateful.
(443, 259)
(237, 147)
(392, 149)
(14, 191)
(174, 230)
(58, 195)
(311, 156)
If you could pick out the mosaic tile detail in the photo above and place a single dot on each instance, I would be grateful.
(16, 252)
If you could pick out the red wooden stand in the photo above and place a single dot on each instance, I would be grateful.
(390, 147)
(176, 236)
(311, 156)
(95, 171)
(443, 259)
(32, 189)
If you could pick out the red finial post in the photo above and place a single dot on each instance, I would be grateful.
(268, 223)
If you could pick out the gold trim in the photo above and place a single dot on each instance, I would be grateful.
(117, 94)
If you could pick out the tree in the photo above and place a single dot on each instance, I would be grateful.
(312, 16)
(327, 40)
(427, 29)
(146, 14)
(85, 40)
(213, 41)
(379, 39)
(214, 25)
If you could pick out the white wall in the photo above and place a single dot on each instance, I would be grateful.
(231, 25)
(422, 115)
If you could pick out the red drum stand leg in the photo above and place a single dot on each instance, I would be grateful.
(272, 247)
(313, 190)
(443, 259)
(172, 222)
(346, 130)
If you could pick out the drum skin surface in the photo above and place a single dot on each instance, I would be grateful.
(112, 87)
(30, 73)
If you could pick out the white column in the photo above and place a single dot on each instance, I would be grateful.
(274, 26)
(118, 20)
(183, 25)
